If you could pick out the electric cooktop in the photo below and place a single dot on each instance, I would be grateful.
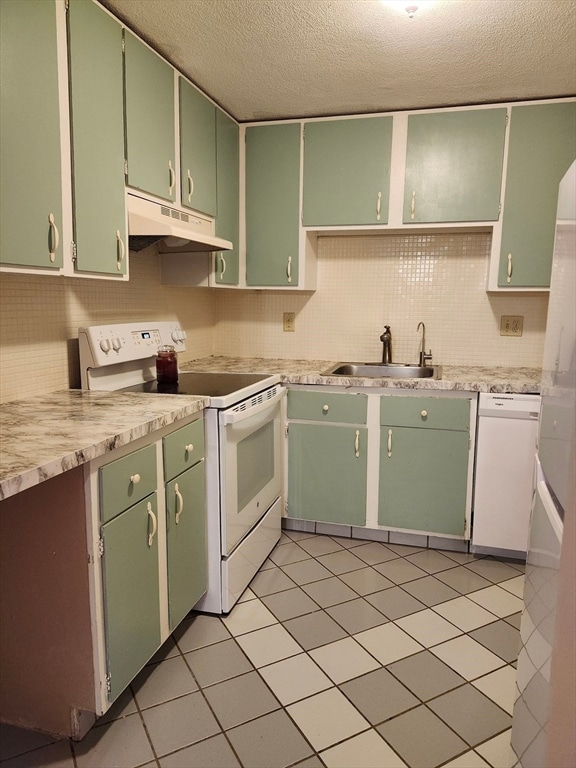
(199, 383)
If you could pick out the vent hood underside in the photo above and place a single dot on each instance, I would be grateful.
(150, 221)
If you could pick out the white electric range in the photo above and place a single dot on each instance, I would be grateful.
(243, 434)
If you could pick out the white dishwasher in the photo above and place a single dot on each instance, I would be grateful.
(504, 472)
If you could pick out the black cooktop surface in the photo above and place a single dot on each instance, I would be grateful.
(209, 384)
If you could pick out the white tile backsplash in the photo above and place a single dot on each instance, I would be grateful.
(364, 282)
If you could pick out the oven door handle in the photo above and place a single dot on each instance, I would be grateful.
(233, 417)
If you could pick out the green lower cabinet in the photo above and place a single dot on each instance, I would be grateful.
(423, 479)
(327, 472)
(186, 539)
(130, 592)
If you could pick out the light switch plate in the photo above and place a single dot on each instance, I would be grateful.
(511, 325)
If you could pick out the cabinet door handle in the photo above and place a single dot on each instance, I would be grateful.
(180, 501)
(189, 448)
(510, 269)
(53, 237)
(357, 443)
(134, 479)
(424, 414)
(190, 185)
(413, 205)
(172, 178)
(389, 443)
(120, 250)
(378, 205)
(325, 408)
(289, 269)
(223, 263)
(151, 516)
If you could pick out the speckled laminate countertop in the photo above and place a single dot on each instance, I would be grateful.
(466, 378)
(44, 436)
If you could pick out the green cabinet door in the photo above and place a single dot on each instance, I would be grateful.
(150, 126)
(347, 171)
(130, 592)
(423, 479)
(327, 470)
(197, 150)
(226, 265)
(186, 537)
(30, 153)
(542, 147)
(97, 119)
(272, 204)
(454, 166)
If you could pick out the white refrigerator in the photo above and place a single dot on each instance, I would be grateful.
(544, 723)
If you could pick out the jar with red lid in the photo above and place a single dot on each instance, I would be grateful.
(166, 365)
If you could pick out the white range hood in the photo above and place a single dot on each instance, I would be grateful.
(150, 221)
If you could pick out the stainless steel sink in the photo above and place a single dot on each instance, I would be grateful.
(384, 370)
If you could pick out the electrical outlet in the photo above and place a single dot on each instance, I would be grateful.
(511, 325)
(289, 321)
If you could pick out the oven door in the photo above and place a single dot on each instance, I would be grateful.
(250, 463)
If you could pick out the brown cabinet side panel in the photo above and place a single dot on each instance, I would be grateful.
(46, 666)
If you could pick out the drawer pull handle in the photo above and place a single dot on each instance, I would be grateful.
(378, 205)
(54, 238)
(357, 444)
(325, 408)
(413, 205)
(389, 443)
(509, 270)
(190, 185)
(180, 501)
(120, 249)
(189, 448)
(424, 414)
(151, 516)
(134, 479)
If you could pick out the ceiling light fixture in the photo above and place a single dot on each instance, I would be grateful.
(411, 10)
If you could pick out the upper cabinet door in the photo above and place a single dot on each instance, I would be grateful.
(197, 150)
(95, 56)
(347, 171)
(226, 271)
(541, 148)
(272, 204)
(454, 166)
(31, 178)
(150, 134)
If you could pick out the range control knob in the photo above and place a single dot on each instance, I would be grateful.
(178, 335)
(105, 345)
(117, 344)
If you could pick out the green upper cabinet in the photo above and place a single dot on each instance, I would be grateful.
(347, 171)
(30, 150)
(150, 124)
(97, 119)
(272, 204)
(197, 150)
(226, 267)
(542, 146)
(454, 166)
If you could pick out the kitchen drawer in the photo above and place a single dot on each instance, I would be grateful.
(329, 406)
(183, 448)
(127, 480)
(429, 412)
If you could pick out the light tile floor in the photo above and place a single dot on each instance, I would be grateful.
(342, 653)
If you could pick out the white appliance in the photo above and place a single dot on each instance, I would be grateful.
(543, 729)
(243, 441)
(504, 473)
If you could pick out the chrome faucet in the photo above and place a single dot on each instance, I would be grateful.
(424, 356)
(386, 340)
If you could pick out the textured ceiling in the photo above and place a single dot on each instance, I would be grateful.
(272, 59)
